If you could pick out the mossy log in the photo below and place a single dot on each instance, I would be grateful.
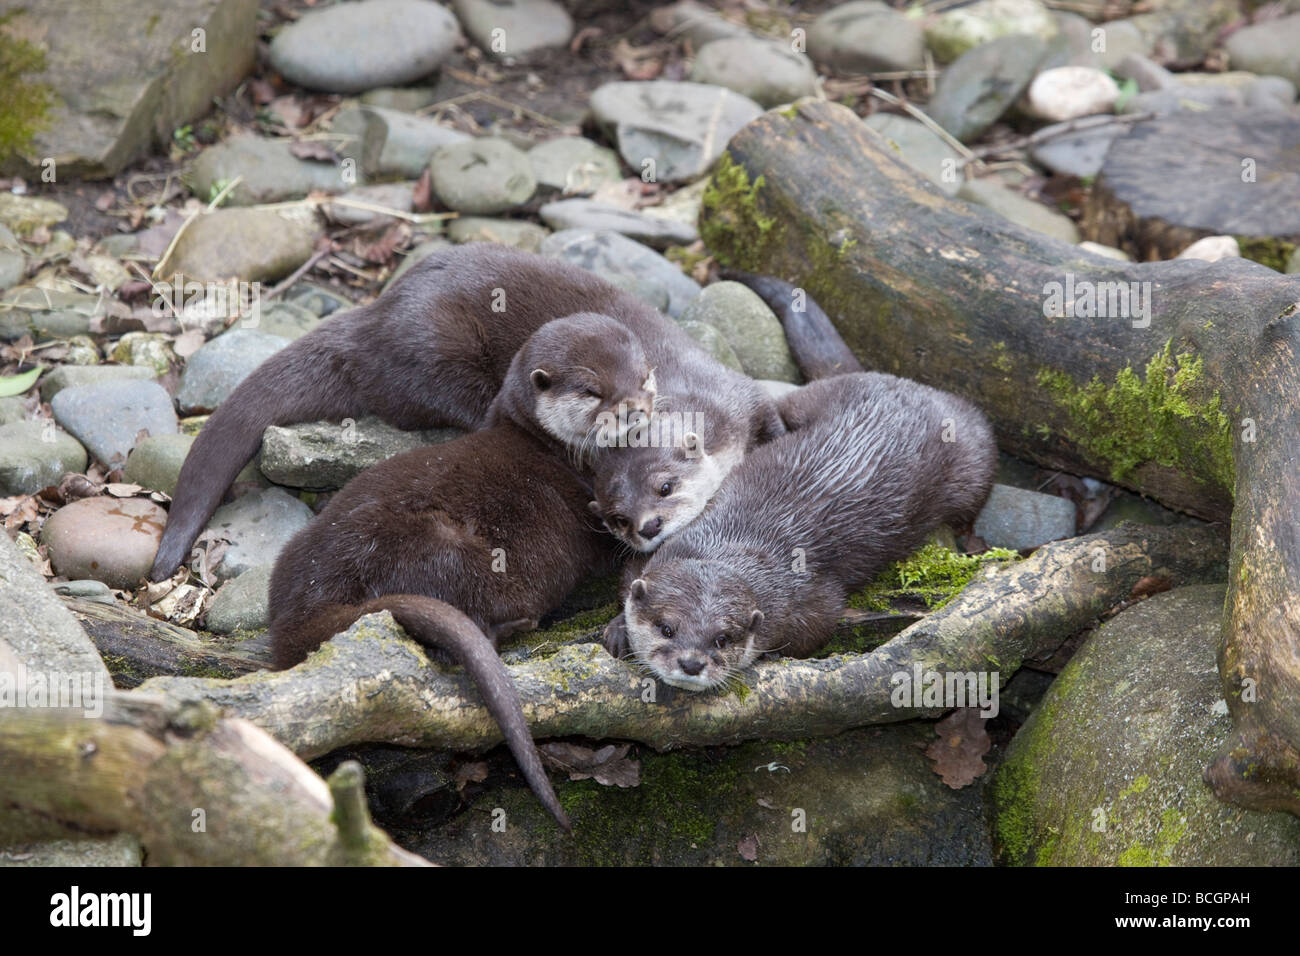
(372, 684)
(194, 788)
(1189, 397)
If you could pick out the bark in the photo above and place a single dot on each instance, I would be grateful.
(371, 684)
(1191, 401)
(195, 789)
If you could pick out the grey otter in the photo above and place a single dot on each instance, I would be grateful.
(875, 463)
(434, 350)
(468, 541)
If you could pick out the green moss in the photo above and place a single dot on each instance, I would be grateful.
(731, 226)
(1001, 361)
(1139, 785)
(1266, 250)
(1166, 416)
(685, 257)
(24, 106)
(934, 575)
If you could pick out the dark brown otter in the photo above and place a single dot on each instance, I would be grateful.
(434, 350)
(876, 463)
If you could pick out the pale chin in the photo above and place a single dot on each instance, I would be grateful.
(686, 683)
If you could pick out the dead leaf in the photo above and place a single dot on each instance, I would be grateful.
(313, 150)
(748, 848)
(74, 486)
(123, 489)
(187, 343)
(288, 111)
(105, 201)
(422, 194)
(261, 91)
(639, 63)
(381, 250)
(475, 772)
(958, 754)
(608, 766)
(1149, 585)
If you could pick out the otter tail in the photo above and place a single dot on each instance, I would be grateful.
(436, 624)
(817, 346)
(302, 382)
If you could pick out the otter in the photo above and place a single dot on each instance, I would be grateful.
(875, 464)
(471, 540)
(434, 349)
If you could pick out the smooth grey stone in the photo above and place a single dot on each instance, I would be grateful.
(242, 603)
(109, 418)
(212, 372)
(1268, 48)
(1147, 73)
(609, 252)
(647, 290)
(288, 320)
(922, 149)
(399, 197)
(326, 455)
(596, 216)
(573, 164)
(713, 342)
(122, 849)
(57, 379)
(258, 525)
(482, 177)
(1181, 98)
(512, 28)
(317, 298)
(768, 72)
(46, 314)
(12, 409)
(982, 84)
(1020, 209)
(511, 232)
(34, 455)
(387, 142)
(957, 30)
(269, 170)
(250, 245)
(1075, 154)
(156, 463)
(407, 99)
(867, 37)
(1016, 518)
(751, 329)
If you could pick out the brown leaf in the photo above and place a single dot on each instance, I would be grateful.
(261, 91)
(187, 343)
(380, 250)
(74, 486)
(288, 111)
(312, 150)
(608, 766)
(123, 489)
(748, 848)
(105, 201)
(639, 63)
(958, 754)
(475, 772)
(1149, 585)
(422, 195)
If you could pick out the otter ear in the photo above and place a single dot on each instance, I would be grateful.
(649, 383)
(541, 379)
(594, 508)
(637, 589)
(691, 445)
(755, 619)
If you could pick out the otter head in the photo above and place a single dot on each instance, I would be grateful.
(588, 377)
(693, 623)
(645, 494)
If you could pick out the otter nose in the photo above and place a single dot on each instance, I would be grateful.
(691, 665)
(652, 528)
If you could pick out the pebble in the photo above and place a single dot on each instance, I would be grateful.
(288, 320)
(12, 409)
(654, 294)
(1268, 48)
(1109, 252)
(82, 350)
(319, 299)
(713, 342)
(251, 245)
(1078, 38)
(352, 47)
(952, 32)
(519, 233)
(13, 264)
(609, 252)
(1145, 72)
(388, 143)
(505, 29)
(982, 84)
(35, 454)
(1020, 209)
(257, 525)
(22, 214)
(151, 351)
(1016, 518)
(768, 72)
(214, 370)
(1079, 153)
(922, 149)
(694, 22)
(325, 455)
(1212, 249)
(573, 164)
(109, 418)
(46, 314)
(867, 37)
(482, 177)
(242, 603)
(64, 376)
(751, 329)
(156, 463)
(674, 131)
(106, 539)
(268, 171)
(598, 216)
(397, 196)
(1069, 92)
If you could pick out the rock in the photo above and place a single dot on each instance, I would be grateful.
(324, 455)
(148, 350)
(119, 850)
(673, 130)
(1183, 31)
(1127, 506)
(352, 47)
(109, 418)
(505, 29)
(1212, 249)
(609, 252)
(713, 342)
(1147, 73)
(215, 369)
(1268, 47)
(1016, 518)
(1293, 263)
(316, 298)
(1069, 92)
(13, 264)
(1020, 209)
(22, 214)
(695, 23)
(406, 99)
(46, 314)
(648, 291)
(156, 462)
(573, 164)
(65, 376)
(126, 74)
(82, 350)
(251, 245)
(1100, 46)
(866, 37)
(922, 149)
(1080, 153)
(511, 232)
(398, 196)
(1180, 98)
(242, 603)
(12, 409)
(954, 31)
(36, 454)
(768, 72)
(387, 142)
(750, 328)
(420, 252)
(268, 172)
(481, 177)
(983, 84)
(598, 216)
(1110, 252)
(257, 526)
(1108, 769)
(285, 319)
(105, 539)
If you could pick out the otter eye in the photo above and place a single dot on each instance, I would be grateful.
(591, 393)
(620, 521)
(720, 641)
(666, 630)
(665, 489)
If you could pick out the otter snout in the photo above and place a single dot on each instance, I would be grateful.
(692, 663)
(652, 527)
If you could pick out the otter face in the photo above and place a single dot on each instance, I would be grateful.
(693, 624)
(590, 379)
(645, 495)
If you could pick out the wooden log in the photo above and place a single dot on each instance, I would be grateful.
(372, 684)
(1187, 395)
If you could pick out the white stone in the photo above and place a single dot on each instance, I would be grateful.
(1069, 92)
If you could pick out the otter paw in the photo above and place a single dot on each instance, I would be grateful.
(615, 638)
